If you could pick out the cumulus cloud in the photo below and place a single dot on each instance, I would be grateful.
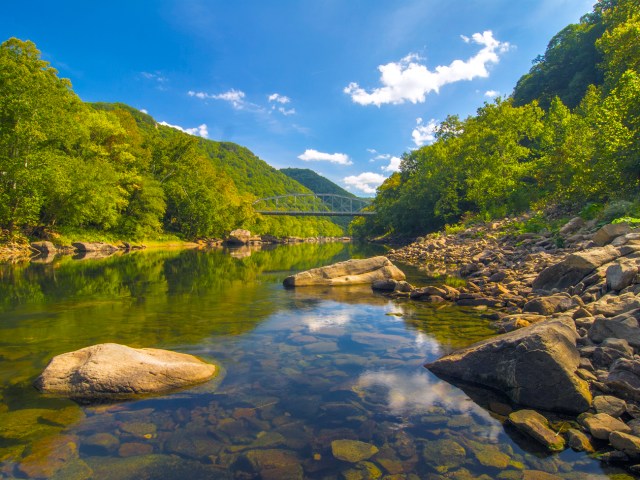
(424, 133)
(394, 165)
(199, 131)
(311, 155)
(144, 110)
(366, 182)
(409, 80)
(276, 97)
(491, 93)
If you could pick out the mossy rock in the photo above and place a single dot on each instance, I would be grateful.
(444, 455)
(352, 451)
(489, 455)
(25, 424)
(152, 466)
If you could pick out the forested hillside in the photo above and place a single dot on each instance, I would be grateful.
(569, 135)
(319, 184)
(72, 167)
(314, 182)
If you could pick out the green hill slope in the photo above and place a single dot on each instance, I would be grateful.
(314, 182)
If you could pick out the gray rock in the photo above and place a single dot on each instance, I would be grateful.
(602, 425)
(607, 233)
(610, 405)
(112, 372)
(384, 285)
(574, 268)
(44, 248)
(572, 226)
(578, 441)
(351, 272)
(535, 366)
(629, 444)
(624, 378)
(621, 275)
(94, 247)
(549, 305)
(239, 237)
(623, 326)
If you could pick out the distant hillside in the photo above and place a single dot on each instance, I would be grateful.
(314, 182)
(319, 184)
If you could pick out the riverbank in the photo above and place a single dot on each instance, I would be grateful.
(20, 250)
(583, 276)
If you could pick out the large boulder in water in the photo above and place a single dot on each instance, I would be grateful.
(114, 372)
(535, 366)
(351, 272)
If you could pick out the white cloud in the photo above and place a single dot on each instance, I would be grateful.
(199, 131)
(465, 39)
(411, 393)
(311, 155)
(424, 133)
(372, 151)
(233, 96)
(365, 182)
(276, 97)
(394, 165)
(491, 93)
(409, 80)
(144, 110)
(286, 112)
(156, 76)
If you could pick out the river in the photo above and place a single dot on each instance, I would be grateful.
(300, 369)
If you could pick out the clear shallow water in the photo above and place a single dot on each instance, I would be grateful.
(302, 368)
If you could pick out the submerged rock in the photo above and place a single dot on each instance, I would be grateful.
(444, 455)
(352, 451)
(110, 372)
(535, 366)
(351, 272)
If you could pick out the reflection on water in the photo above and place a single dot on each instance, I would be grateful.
(303, 368)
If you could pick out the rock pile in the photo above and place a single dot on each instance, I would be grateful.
(571, 303)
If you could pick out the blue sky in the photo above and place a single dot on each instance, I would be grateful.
(343, 87)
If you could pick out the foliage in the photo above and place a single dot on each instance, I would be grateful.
(567, 68)
(73, 166)
(314, 182)
(570, 135)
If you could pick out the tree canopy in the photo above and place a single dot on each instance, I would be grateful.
(66, 164)
(570, 134)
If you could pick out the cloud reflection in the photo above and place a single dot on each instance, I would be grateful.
(418, 393)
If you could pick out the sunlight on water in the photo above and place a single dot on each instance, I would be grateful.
(302, 369)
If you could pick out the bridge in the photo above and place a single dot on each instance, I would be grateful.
(313, 205)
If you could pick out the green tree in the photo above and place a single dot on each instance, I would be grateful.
(36, 129)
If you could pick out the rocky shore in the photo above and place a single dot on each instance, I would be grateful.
(568, 307)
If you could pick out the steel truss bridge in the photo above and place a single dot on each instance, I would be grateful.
(313, 205)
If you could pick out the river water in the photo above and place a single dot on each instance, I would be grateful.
(301, 369)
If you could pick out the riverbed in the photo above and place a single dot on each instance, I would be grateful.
(300, 370)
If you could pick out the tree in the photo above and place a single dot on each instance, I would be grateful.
(36, 129)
